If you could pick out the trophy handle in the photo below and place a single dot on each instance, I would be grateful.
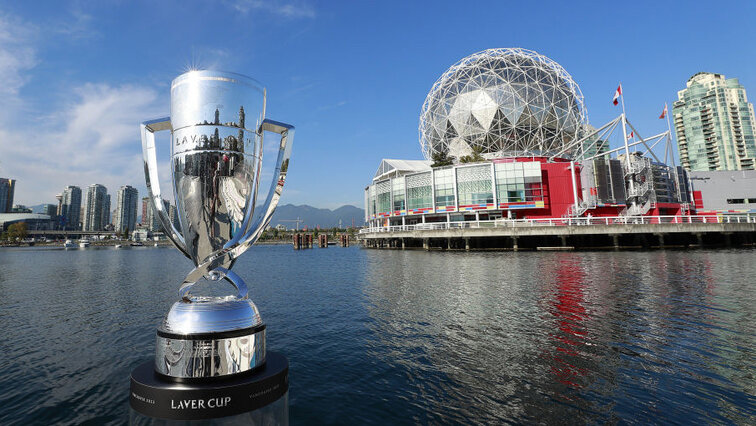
(153, 183)
(282, 166)
(212, 266)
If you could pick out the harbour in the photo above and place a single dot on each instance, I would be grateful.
(531, 336)
(569, 233)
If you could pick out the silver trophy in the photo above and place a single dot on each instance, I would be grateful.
(217, 123)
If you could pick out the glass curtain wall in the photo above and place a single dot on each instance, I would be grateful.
(518, 182)
(397, 190)
(383, 197)
(444, 187)
(419, 192)
(474, 185)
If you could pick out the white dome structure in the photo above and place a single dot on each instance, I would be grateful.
(502, 102)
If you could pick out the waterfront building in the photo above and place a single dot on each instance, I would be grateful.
(33, 221)
(70, 209)
(505, 135)
(95, 208)
(126, 209)
(52, 211)
(20, 208)
(714, 123)
(7, 188)
(725, 191)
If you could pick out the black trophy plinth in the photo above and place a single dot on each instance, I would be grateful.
(155, 396)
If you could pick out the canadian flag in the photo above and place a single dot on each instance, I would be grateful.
(664, 113)
(631, 135)
(617, 94)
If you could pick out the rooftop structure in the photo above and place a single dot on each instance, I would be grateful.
(501, 102)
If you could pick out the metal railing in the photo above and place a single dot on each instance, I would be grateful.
(566, 221)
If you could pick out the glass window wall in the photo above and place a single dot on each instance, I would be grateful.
(383, 196)
(419, 192)
(444, 186)
(474, 185)
(397, 189)
(518, 182)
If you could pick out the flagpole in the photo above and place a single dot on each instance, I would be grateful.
(627, 148)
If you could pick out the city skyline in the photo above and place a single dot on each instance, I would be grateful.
(79, 80)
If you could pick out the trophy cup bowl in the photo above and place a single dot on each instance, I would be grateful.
(217, 124)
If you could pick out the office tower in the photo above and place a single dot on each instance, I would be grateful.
(7, 187)
(714, 123)
(94, 208)
(126, 209)
(71, 207)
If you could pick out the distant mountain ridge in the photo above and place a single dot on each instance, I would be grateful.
(310, 216)
(313, 216)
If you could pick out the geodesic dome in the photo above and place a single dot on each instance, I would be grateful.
(504, 102)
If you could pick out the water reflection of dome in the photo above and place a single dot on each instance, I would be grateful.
(501, 101)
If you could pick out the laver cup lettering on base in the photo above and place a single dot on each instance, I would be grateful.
(210, 357)
(154, 396)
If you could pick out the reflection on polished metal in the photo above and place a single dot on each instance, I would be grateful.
(217, 123)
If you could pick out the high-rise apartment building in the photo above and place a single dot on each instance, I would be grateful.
(106, 212)
(95, 208)
(70, 207)
(7, 187)
(149, 218)
(593, 145)
(714, 123)
(173, 214)
(126, 209)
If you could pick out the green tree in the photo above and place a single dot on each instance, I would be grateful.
(475, 157)
(442, 158)
(17, 231)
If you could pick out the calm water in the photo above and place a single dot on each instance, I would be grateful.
(393, 337)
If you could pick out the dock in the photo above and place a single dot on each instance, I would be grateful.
(622, 232)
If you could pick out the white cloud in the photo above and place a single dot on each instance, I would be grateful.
(94, 140)
(17, 57)
(287, 9)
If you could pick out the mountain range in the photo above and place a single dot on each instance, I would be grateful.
(310, 216)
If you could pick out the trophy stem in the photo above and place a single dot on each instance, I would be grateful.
(242, 292)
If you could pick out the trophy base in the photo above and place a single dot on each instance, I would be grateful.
(154, 396)
(210, 337)
(199, 357)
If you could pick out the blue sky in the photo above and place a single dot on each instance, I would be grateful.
(76, 78)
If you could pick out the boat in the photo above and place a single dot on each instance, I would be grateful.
(156, 244)
(137, 244)
(69, 244)
(118, 246)
(84, 243)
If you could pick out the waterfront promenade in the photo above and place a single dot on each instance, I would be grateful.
(569, 233)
